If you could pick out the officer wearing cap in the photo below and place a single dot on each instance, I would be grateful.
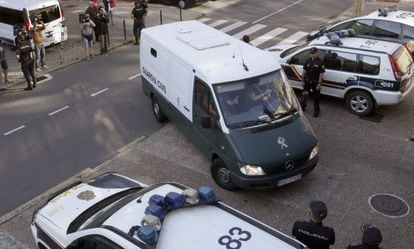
(312, 233)
(312, 76)
(371, 238)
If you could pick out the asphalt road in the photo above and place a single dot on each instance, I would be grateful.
(78, 119)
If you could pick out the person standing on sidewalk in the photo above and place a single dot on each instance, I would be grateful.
(39, 45)
(312, 233)
(3, 63)
(25, 55)
(138, 13)
(92, 10)
(102, 25)
(87, 27)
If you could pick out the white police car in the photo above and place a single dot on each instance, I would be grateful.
(364, 72)
(385, 23)
(113, 211)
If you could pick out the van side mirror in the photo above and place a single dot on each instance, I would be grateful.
(206, 121)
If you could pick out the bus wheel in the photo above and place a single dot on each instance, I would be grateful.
(158, 113)
(222, 175)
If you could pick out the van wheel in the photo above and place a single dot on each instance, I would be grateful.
(159, 115)
(360, 103)
(222, 175)
(182, 4)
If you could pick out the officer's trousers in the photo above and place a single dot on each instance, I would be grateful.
(309, 89)
(28, 72)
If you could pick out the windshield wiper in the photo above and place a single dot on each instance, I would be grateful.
(247, 123)
(284, 114)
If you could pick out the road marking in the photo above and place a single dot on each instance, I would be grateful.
(217, 23)
(14, 130)
(204, 19)
(278, 11)
(47, 77)
(99, 92)
(294, 38)
(133, 77)
(249, 31)
(264, 38)
(77, 11)
(58, 110)
(232, 26)
(135, 142)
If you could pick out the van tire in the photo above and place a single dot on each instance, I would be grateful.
(182, 4)
(360, 103)
(156, 109)
(222, 175)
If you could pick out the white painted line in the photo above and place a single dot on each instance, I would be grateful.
(294, 38)
(101, 91)
(232, 26)
(58, 110)
(77, 11)
(249, 31)
(14, 130)
(133, 77)
(264, 38)
(204, 19)
(278, 11)
(218, 23)
(48, 77)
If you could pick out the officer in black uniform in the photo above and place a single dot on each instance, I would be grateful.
(312, 76)
(137, 14)
(371, 238)
(312, 233)
(25, 55)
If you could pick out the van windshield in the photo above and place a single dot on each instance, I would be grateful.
(256, 100)
(48, 14)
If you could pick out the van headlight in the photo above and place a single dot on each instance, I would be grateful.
(251, 170)
(314, 152)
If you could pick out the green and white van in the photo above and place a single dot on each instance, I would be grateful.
(233, 101)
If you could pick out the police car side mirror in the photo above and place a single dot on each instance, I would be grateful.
(206, 121)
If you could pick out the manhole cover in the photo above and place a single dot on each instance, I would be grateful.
(389, 205)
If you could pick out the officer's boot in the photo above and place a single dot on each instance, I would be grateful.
(304, 99)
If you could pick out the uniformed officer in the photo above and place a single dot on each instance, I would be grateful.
(312, 76)
(25, 55)
(312, 233)
(371, 238)
(138, 13)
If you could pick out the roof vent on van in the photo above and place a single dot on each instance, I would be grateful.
(384, 11)
(184, 30)
(201, 42)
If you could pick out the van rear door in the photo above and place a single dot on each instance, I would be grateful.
(403, 67)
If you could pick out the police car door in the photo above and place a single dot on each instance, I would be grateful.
(340, 73)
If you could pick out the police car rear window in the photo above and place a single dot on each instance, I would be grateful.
(403, 59)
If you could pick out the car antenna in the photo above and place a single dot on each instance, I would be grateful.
(242, 58)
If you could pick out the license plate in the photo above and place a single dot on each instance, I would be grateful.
(289, 180)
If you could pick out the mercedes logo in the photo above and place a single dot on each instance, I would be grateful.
(289, 165)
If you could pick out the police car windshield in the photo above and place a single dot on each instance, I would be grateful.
(291, 50)
(244, 103)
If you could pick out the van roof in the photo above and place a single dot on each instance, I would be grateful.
(197, 227)
(361, 43)
(215, 56)
(29, 4)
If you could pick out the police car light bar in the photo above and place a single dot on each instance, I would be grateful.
(384, 11)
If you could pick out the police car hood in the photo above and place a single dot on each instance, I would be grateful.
(66, 206)
(272, 145)
(278, 49)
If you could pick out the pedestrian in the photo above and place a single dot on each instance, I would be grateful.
(312, 77)
(87, 27)
(246, 39)
(371, 238)
(26, 56)
(3, 62)
(102, 25)
(312, 233)
(92, 10)
(137, 14)
(108, 9)
(39, 45)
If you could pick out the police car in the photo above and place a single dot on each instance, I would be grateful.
(113, 211)
(365, 72)
(386, 23)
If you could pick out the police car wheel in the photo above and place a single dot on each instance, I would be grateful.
(182, 4)
(222, 175)
(360, 103)
(159, 115)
